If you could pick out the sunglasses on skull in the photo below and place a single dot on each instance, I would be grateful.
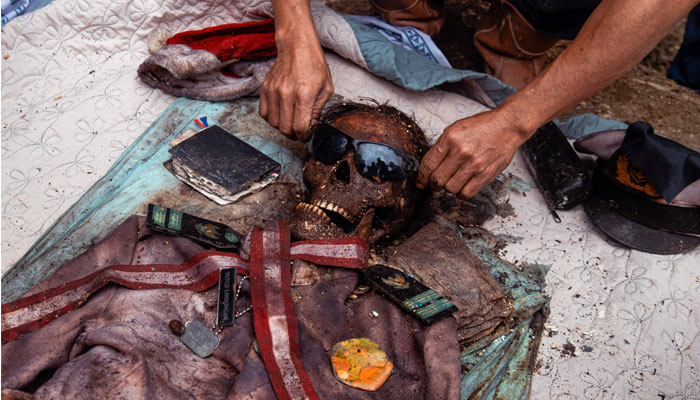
(373, 159)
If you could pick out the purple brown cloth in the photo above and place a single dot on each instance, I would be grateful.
(118, 345)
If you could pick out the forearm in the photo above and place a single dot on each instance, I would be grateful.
(294, 25)
(615, 38)
(299, 83)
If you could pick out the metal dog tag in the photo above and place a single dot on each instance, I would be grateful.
(200, 339)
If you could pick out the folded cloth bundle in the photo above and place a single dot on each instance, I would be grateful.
(218, 63)
(646, 189)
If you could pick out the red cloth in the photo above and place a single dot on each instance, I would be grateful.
(246, 41)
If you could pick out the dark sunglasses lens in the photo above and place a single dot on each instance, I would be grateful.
(328, 144)
(381, 161)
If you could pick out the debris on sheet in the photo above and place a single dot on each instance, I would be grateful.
(206, 232)
(424, 303)
(221, 166)
(551, 330)
(360, 363)
(486, 204)
(568, 349)
(157, 39)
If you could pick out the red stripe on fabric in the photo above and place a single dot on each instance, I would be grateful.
(47, 294)
(9, 335)
(356, 240)
(290, 311)
(260, 317)
(347, 262)
(14, 333)
(63, 288)
(95, 281)
(333, 261)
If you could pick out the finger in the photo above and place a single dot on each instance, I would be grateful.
(302, 116)
(474, 185)
(313, 113)
(263, 108)
(459, 180)
(442, 174)
(286, 113)
(430, 162)
(273, 113)
(316, 110)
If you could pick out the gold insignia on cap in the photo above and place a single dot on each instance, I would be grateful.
(625, 173)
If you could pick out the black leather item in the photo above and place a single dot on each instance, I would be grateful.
(558, 171)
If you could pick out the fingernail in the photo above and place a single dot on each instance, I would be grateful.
(420, 185)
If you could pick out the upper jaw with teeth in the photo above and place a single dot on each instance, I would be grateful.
(318, 206)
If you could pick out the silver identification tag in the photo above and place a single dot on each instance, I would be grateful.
(200, 339)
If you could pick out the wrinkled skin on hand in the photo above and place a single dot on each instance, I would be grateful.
(340, 202)
(296, 88)
(470, 153)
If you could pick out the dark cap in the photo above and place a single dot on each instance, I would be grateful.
(635, 210)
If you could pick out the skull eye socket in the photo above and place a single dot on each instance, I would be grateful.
(342, 172)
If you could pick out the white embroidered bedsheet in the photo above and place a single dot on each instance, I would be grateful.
(71, 103)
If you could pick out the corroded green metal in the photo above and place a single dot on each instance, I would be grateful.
(500, 366)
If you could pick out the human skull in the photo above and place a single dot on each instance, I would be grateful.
(340, 201)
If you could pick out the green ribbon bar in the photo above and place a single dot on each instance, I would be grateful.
(175, 222)
(421, 299)
(434, 308)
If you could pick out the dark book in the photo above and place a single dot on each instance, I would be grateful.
(221, 166)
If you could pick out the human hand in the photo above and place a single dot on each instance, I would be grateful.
(296, 88)
(470, 153)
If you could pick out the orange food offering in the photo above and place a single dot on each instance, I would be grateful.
(360, 363)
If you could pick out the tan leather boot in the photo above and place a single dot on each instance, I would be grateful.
(512, 50)
(425, 15)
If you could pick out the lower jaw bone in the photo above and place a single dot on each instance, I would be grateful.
(364, 228)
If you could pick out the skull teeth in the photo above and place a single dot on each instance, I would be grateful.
(315, 209)
(332, 207)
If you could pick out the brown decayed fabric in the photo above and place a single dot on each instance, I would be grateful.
(119, 345)
(482, 304)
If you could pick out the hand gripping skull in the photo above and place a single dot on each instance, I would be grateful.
(340, 200)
